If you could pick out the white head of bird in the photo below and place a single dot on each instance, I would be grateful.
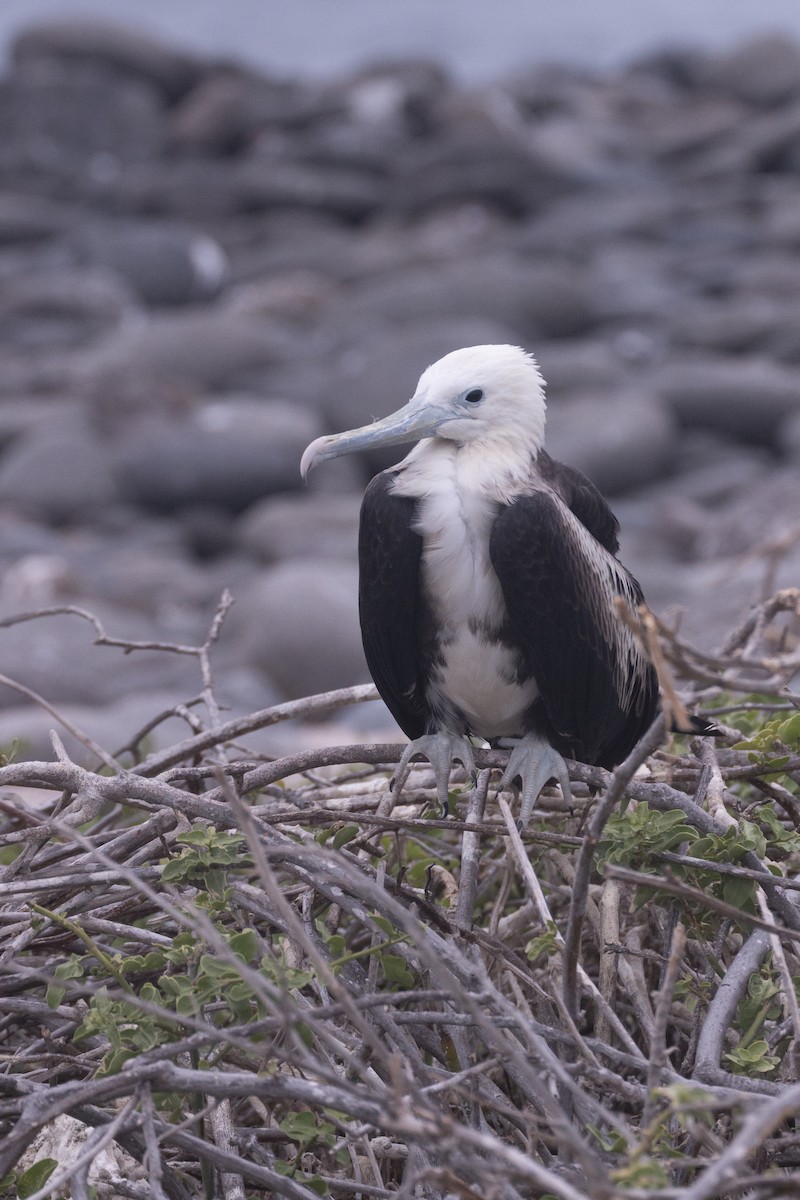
(482, 400)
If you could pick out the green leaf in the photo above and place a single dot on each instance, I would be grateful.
(738, 892)
(417, 873)
(154, 960)
(543, 944)
(789, 730)
(754, 1059)
(245, 944)
(301, 1127)
(344, 835)
(35, 1177)
(71, 969)
(395, 970)
(174, 871)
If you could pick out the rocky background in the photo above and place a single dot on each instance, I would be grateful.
(203, 268)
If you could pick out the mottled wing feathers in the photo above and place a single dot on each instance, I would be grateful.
(583, 499)
(597, 691)
(389, 553)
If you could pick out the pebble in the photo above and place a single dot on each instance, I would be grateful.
(163, 263)
(621, 442)
(58, 474)
(746, 396)
(301, 526)
(125, 51)
(227, 453)
(298, 623)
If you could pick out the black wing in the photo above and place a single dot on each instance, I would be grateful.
(389, 553)
(597, 691)
(583, 499)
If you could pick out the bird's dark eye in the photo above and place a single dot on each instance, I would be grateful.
(474, 396)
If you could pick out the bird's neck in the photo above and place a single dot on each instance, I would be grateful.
(496, 468)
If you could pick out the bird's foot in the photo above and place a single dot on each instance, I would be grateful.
(534, 762)
(441, 750)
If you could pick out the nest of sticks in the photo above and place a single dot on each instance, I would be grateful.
(226, 976)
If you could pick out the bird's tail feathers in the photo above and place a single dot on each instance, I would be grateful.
(697, 724)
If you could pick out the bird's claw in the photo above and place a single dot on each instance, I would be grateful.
(441, 750)
(535, 762)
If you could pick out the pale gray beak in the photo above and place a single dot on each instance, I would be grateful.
(413, 421)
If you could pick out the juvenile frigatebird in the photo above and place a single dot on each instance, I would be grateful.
(489, 582)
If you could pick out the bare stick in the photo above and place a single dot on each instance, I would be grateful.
(619, 781)
(658, 1046)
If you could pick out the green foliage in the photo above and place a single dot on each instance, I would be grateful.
(394, 968)
(771, 743)
(633, 836)
(306, 1128)
(315, 1182)
(780, 734)
(686, 1104)
(10, 752)
(641, 1172)
(637, 837)
(124, 1026)
(544, 945)
(71, 969)
(207, 856)
(784, 841)
(761, 1004)
(35, 1177)
(344, 835)
(754, 1059)
(184, 980)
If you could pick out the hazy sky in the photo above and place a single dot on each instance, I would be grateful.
(476, 38)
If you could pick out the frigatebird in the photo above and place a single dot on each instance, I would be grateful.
(490, 583)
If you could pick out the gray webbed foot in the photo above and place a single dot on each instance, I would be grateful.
(535, 762)
(441, 750)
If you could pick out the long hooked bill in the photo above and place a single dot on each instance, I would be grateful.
(413, 421)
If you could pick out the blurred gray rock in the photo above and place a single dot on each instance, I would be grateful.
(480, 154)
(163, 263)
(49, 312)
(581, 366)
(55, 657)
(202, 348)
(298, 622)
(77, 125)
(227, 453)
(732, 325)
(749, 397)
(59, 474)
(23, 414)
(111, 726)
(789, 436)
(126, 51)
(201, 188)
(631, 282)
(533, 298)
(620, 442)
(26, 219)
(577, 223)
(302, 526)
(763, 71)
(230, 105)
